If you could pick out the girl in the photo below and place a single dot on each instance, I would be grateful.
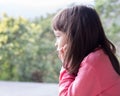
(90, 67)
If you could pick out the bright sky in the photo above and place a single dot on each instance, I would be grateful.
(32, 8)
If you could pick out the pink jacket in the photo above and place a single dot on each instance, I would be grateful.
(96, 77)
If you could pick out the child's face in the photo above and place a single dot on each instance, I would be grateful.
(60, 39)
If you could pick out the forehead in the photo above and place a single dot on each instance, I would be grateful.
(58, 32)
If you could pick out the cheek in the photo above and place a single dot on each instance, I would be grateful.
(62, 43)
(59, 44)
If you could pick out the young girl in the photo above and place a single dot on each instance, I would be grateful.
(90, 67)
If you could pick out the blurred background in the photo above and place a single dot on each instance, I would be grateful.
(27, 51)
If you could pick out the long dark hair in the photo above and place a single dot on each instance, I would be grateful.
(85, 33)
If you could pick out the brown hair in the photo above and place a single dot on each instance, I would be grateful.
(85, 33)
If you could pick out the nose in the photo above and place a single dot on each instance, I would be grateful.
(56, 44)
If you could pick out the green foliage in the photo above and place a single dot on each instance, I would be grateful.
(27, 50)
(109, 12)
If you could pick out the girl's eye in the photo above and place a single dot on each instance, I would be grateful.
(57, 36)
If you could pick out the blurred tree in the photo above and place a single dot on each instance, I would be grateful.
(110, 14)
(109, 11)
(50, 59)
(26, 50)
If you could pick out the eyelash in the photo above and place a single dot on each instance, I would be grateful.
(57, 36)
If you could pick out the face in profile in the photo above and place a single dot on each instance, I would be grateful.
(60, 39)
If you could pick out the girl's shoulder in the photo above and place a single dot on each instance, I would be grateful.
(100, 63)
(95, 57)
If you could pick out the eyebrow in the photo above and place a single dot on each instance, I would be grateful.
(57, 33)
